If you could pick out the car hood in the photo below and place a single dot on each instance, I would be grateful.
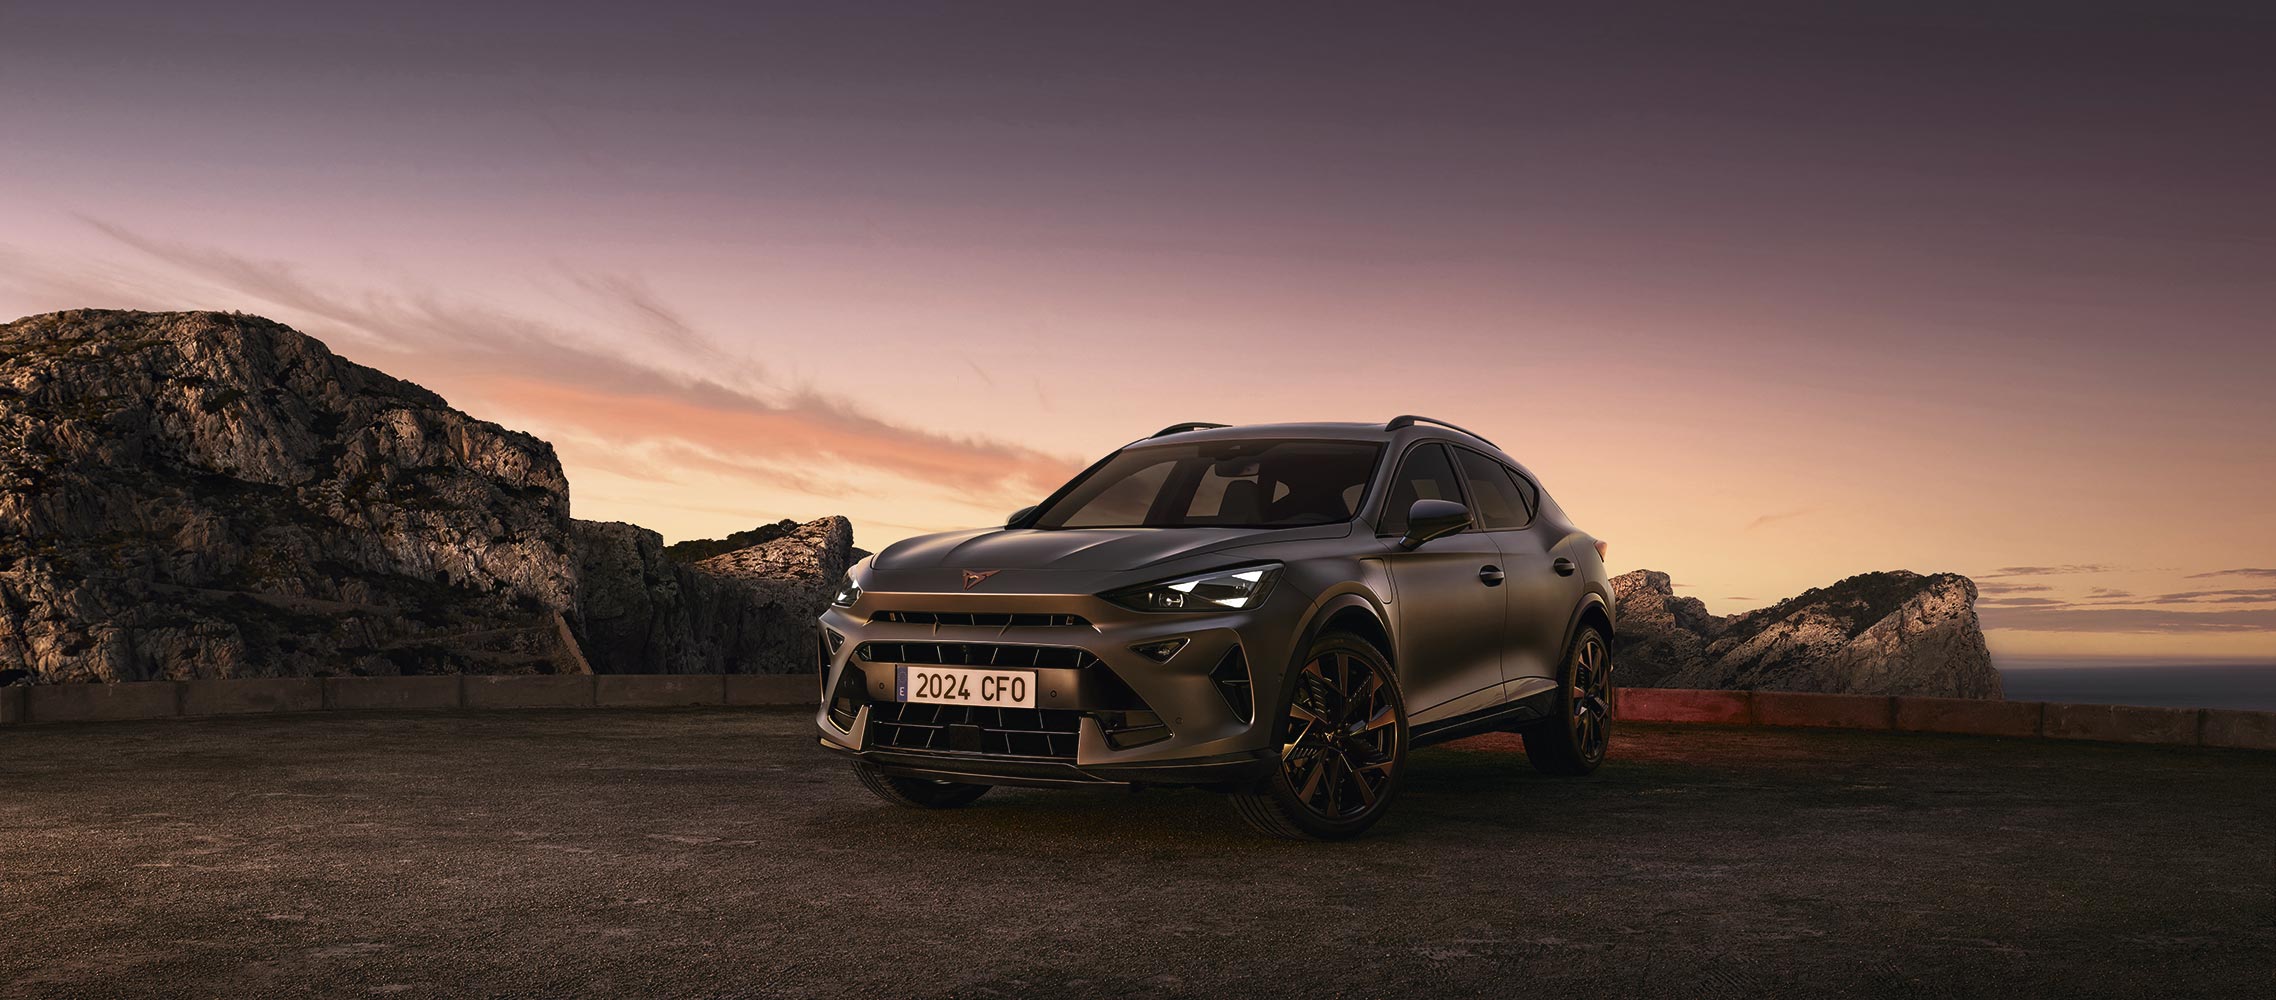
(1093, 550)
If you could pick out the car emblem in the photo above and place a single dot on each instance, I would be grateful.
(972, 579)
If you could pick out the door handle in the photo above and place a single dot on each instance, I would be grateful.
(1491, 575)
(1563, 566)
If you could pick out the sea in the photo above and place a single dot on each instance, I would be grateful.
(2249, 685)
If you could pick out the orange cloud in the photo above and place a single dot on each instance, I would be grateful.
(771, 437)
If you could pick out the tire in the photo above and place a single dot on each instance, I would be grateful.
(918, 793)
(1333, 782)
(1575, 741)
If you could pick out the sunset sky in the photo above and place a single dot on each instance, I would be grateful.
(1765, 299)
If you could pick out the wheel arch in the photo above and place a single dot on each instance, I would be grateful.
(1593, 610)
(1354, 612)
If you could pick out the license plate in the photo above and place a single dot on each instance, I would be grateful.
(965, 686)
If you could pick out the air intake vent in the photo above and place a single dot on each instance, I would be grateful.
(845, 703)
(1232, 678)
(1124, 730)
(976, 654)
(982, 619)
(995, 732)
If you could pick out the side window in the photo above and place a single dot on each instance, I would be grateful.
(1532, 493)
(1498, 503)
(1427, 475)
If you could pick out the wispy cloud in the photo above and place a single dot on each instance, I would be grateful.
(2012, 588)
(733, 418)
(1769, 519)
(2074, 618)
(2075, 569)
(2268, 573)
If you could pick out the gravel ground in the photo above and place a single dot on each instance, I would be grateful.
(716, 852)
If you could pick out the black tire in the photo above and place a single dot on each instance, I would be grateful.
(1575, 741)
(918, 793)
(1343, 742)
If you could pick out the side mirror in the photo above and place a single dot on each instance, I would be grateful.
(1018, 516)
(1429, 519)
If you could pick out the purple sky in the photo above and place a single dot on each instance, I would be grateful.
(1767, 298)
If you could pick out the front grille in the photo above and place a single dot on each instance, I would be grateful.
(1009, 732)
(977, 654)
(982, 619)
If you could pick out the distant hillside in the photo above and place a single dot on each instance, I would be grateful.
(1895, 633)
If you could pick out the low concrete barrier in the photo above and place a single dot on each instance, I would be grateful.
(771, 689)
(252, 695)
(532, 691)
(1824, 711)
(1976, 716)
(2123, 724)
(1731, 708)
(167, 699)
(658, 690)
(393, 693)
(2246, 730)
(102, 702)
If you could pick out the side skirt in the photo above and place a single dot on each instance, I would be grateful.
(1529, 709)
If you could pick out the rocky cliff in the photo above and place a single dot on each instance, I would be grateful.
(746, 611)
(192, 495)
(1894, 633)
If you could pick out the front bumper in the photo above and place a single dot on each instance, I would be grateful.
(1113, 716)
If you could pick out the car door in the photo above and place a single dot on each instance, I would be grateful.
(1538, 599)
(1446, 598)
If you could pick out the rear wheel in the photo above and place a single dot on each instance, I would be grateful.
(917, 793)
(1574, 742)
(1343, 747)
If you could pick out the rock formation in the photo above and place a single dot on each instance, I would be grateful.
(1894, 633)
(746, 611)
(195, 495)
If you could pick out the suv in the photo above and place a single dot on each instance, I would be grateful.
(1277, 611)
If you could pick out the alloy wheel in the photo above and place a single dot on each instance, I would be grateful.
(1340, 749)
(1591, 696)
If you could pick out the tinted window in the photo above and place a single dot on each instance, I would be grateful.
(1532, 492)
(1427, 475)
(1243, 484)
(1126, 499)
(1494, 494)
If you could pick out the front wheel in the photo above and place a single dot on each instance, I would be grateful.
(1575, 742)
(917, 793)
(1343, 747)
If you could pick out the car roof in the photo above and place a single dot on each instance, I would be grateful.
(1331, 431)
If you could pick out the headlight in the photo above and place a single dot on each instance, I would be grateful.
(848, 592)
(1223, 590)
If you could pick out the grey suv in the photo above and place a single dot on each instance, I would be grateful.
(1276, 611)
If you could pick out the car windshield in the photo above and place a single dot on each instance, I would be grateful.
(1219, 484)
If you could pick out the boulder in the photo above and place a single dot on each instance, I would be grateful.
(1893, 633)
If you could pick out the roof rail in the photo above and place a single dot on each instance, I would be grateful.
(1409, 420)
(1191, 425)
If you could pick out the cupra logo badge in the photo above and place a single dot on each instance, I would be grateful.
(972, 579)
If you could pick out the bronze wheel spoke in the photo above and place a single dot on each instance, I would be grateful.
(1383, 717)
(1359, 782)
(1312, 779)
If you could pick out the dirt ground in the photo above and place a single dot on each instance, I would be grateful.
(719, 852)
